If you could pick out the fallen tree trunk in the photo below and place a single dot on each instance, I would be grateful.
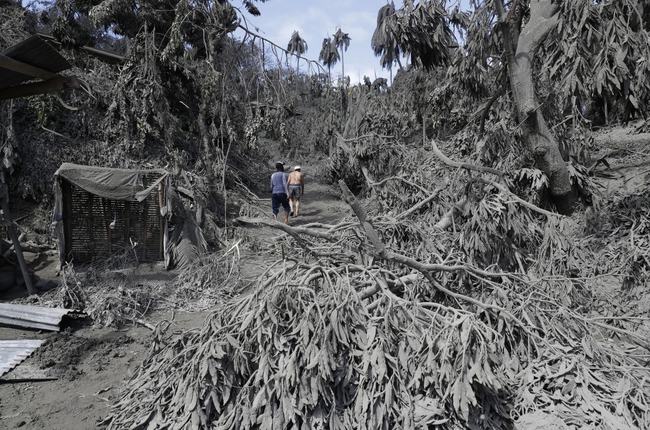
(620, 139)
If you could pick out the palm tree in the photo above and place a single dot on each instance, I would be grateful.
(329, 55)
(342, 42)
(298, 46)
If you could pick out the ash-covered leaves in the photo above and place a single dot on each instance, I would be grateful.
(303, 349)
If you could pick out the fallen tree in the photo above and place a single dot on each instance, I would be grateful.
(622, 139)
(397, 337)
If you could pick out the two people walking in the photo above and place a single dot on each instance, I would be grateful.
(286, 191)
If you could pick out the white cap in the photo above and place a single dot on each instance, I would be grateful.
(296, 168)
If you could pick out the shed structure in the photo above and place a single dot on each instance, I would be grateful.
(101, 211)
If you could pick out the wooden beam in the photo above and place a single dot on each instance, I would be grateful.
(55, 85)
(108, 56)
(24, 68)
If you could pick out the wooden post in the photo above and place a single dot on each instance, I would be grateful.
(13, 234)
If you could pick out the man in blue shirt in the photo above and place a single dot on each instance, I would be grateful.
(280, 192)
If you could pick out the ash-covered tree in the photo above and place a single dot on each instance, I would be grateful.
(342, 42)
(383, 42)
(177, 47)
(329, 55)
(576, 51)
(298, 46)
(419, 30)
(194, 108)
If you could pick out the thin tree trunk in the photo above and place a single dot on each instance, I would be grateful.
(5, 216)
(343, 67)
(541, 141)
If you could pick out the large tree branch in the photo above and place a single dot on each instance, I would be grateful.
(621, 139)
(293, 231)
(371, 182)
(501, 10)
(509, 42)
(448, 161)
(381, 251)
(420, 204)
(457, 164)
(425, 269)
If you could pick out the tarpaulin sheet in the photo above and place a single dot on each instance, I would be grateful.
(115, 184)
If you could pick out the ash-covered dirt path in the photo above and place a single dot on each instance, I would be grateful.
(92, 364)
(321, 204)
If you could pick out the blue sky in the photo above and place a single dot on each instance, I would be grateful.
(317, 19)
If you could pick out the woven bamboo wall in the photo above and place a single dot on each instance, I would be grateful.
(87, 220)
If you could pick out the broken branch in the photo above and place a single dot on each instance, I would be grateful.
(448, 161)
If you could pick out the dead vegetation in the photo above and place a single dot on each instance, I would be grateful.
(118, 293)
(457, 296)
(376, 325)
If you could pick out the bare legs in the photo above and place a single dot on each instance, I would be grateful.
(294, 203)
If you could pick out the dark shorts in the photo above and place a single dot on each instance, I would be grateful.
(278, 200)
(294, 191)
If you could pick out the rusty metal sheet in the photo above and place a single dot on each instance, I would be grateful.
(13, 352)
(36, 317)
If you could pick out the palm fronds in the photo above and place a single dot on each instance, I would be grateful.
(341, 39)
(329, 54)
(297, 45)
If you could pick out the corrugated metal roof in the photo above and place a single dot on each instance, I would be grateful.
(13, 352)
(35, 52)
(32, 316)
